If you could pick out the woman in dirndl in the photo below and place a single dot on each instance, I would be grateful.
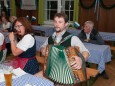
(23, 46)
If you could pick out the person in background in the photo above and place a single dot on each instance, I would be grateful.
(5, 29)
(0, 23)
(5, 23)
(4, 11)
(2, 45)
(90, 35)
(25, 47)
(60, 24)
(12, 19)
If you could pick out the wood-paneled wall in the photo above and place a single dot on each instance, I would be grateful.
(106, 17)
(30, 13)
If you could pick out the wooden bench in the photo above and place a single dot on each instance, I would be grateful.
(112, 48)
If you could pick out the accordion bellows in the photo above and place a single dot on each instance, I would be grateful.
(58, 67)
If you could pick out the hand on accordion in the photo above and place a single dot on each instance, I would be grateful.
(76, 63)
(44, 51)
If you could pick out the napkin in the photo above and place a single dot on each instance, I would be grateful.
(18, 72)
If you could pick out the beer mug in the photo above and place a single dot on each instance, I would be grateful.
(7, 69)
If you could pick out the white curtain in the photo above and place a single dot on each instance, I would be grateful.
(28, 4)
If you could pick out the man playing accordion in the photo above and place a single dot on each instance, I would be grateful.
(64, 39)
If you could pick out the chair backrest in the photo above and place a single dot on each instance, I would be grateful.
(4, 55)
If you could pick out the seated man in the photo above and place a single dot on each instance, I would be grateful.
(91, 35)
(63, 38)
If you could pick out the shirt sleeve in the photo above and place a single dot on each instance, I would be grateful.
(26, 42)
(6, 26)
(75, 41)
(1, 39)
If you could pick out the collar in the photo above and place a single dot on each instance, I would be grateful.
(60, 35)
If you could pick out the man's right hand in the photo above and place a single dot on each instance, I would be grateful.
(44, 51)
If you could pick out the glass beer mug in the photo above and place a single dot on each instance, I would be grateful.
(7, 69)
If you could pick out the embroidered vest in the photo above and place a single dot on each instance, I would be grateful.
(66, 43)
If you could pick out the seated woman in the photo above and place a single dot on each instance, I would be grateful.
(5, 23)
(25, 47)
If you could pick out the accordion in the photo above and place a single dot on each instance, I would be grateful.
(58, 69)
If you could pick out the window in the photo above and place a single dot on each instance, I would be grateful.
(54, 6)
(7, 6)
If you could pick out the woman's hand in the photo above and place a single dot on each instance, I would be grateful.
(11, 36)
(76, 62)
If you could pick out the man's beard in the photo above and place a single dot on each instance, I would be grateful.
(58, 30)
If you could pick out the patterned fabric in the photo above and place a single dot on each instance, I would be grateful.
(29, 80)
(58, 68)
(29, 65)
(100, 54)
(32, 66)
(66, 43)
(48, 30)
(108, 36)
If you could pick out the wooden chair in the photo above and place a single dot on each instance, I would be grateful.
(112, 48)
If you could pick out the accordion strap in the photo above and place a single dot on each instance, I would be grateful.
(63, 40)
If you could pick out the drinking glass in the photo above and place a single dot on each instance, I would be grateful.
(7, 69)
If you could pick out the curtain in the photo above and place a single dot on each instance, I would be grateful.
(13, 8)
(76, 10)
(41, 12)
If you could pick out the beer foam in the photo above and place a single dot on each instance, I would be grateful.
(7, 72)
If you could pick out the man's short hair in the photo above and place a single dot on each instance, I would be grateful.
(90, 22)
(63, 15)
